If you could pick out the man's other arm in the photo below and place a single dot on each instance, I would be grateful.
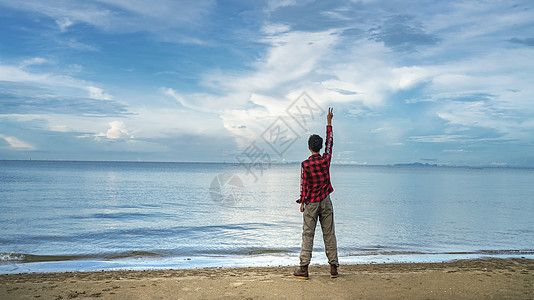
(303, 187)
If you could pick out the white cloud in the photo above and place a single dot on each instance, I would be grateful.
(293, 63)
(491, 91)
(407, 77)
(171, 12)
(273, 5)
(176, 96)
(34, 61)
(60, 128)
(441, 138)
(465, 22)
(364, 73)
(75, 44)
(244, 115)
(251, 101)
(64, 23)
(16, 144)
(210, 103)
(53, 80)
(61, 11)
(98, 93)
(12, 73)
(117, 131)
(455, 150)
(119, 15)
(275, 28)
(291, 56)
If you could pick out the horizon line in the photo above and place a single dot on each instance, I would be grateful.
(413, 164)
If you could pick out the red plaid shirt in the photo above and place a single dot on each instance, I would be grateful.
(315, 174)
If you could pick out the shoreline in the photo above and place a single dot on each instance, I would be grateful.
(467, 279)
(54, 264)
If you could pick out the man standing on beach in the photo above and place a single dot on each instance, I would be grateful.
(315, 189)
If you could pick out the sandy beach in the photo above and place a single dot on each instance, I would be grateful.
(465, 279)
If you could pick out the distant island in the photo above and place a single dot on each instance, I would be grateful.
(417, 164)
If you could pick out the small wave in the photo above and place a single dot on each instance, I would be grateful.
(479, 252)
(370, 253)
(244, 251)
(129, 254)
(505, 252)
(23, 257)
(30, 258)
(120, 215)
(11, 257)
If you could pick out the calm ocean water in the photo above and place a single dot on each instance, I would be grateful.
(71, 216)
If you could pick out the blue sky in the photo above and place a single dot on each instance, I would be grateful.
(446, 82)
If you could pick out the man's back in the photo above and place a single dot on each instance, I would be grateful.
(315, 173)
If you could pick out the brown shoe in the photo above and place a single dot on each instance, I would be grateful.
(333, 271)
(301, 273)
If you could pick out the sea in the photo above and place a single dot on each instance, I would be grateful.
(58, 216)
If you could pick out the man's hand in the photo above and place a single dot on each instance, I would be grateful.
(302, 207)
(330, 116)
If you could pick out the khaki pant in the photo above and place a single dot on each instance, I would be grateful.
(325, 212)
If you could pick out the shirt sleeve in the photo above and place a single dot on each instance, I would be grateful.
(303, 184)
(328, 143)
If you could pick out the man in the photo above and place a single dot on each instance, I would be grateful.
(315, 189)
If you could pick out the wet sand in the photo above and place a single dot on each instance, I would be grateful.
(466, 279)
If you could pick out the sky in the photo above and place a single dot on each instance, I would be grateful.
(438, 82)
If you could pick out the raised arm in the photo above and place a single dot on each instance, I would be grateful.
(329, 139)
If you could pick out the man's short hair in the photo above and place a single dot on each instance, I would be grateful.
(315, 143)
